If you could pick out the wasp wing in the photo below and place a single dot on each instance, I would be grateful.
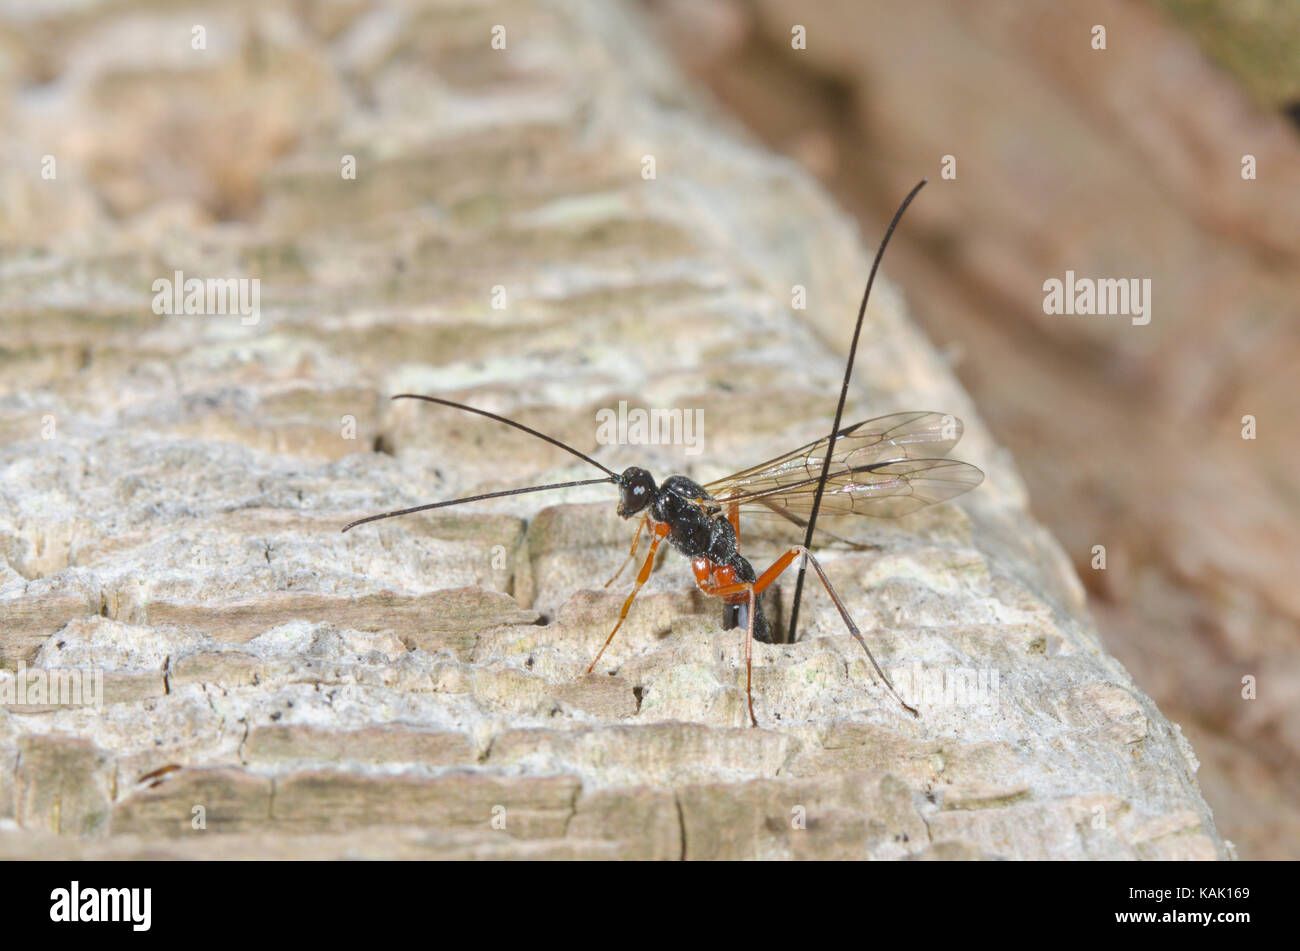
(899, 436)
(857, 482)
(881, 489)
(885, 467)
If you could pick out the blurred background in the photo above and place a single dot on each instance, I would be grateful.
(1122, 162)
(1119, 162)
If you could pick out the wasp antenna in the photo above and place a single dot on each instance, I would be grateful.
(476, 498)
(509, 422)
(839, 409)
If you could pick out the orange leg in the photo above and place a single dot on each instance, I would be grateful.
(636, 540)
(661, 532)
(756, 588)
(704, 573)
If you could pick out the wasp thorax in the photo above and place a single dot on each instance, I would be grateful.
(638, 491)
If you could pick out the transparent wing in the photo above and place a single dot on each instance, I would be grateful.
(881, 489)
(913, 435)
(859, 482)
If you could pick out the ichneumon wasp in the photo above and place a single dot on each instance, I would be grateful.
(884, 467)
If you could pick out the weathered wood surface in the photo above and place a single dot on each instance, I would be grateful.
(391, 691)
(1121, 162)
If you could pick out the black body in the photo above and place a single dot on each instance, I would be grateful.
(697, 531)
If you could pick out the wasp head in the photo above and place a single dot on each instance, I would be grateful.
(638, 488)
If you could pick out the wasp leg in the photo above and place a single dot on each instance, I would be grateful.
(775, 570)
(735, 614)
(641, 579)
(731, 591)
(636, 540)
